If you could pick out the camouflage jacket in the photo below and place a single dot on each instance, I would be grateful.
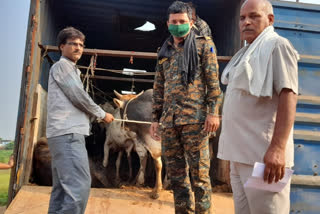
(175, 104)
(201, 28)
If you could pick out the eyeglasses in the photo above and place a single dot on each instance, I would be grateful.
(74, 44)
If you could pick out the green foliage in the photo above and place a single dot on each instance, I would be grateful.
(5, 155)
(4, 177)
(4, 185)
(9, 146)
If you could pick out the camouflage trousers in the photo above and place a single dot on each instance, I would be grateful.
(187, 146)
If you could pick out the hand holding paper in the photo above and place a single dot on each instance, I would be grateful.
(256, 180)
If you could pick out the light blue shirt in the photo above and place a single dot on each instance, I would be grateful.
(68, 106)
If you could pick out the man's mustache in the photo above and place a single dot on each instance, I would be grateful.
(247, 29)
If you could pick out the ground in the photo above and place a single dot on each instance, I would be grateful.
(2, 209)
(128, 200)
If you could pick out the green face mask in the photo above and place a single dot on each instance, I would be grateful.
(179, 30)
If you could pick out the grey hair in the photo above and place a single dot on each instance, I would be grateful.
(179, 7)
(267, 6)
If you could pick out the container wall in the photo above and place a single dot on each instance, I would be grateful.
(49, 31)
(300, 24)
(111, 25)
(32, 104)
(26, 122)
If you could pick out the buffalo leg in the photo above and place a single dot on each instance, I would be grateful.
(154, 147)
(106, 154)
(143, 155)
(118, 163)
(158, 187)
(128, 151)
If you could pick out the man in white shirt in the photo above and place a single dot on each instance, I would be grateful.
(259, 110)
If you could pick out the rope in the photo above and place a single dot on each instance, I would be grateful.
(125, 116)
(94, 63)
(132, 121)
(91, 68)
(86, 76)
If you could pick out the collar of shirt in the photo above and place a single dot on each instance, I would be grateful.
(171, 43)
(72, 63)
(68, 60)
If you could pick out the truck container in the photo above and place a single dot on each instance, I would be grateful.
(113, 42)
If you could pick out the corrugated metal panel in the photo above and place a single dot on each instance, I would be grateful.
(304, 200)
(309, 77)
(300, 24)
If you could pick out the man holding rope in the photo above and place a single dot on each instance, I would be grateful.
(186, 102)
(69, 108)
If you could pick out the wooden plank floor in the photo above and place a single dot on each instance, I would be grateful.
(129, 200)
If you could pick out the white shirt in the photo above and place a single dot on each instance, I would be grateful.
(248, 121)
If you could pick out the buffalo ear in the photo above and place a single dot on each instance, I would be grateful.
(118, 103)
(117, 94)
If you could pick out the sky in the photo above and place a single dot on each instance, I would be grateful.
(13, 21)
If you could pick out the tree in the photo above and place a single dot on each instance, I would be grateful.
(9, 146)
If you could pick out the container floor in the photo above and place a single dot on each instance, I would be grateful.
(131, 200)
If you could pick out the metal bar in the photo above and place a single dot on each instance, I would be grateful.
(310, 59)
(300, 5)
(114, 53)
(307, 180)
(309, 99)
(120, 79)
(119, 71)
(313, 136)
(307, 117)
(106, 70)
(297, 26)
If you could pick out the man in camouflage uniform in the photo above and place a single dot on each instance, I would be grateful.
(186, 103)
(200, 26)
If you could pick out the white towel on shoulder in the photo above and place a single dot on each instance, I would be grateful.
(251, 73)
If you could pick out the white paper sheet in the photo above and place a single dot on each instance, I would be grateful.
(256, 180)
